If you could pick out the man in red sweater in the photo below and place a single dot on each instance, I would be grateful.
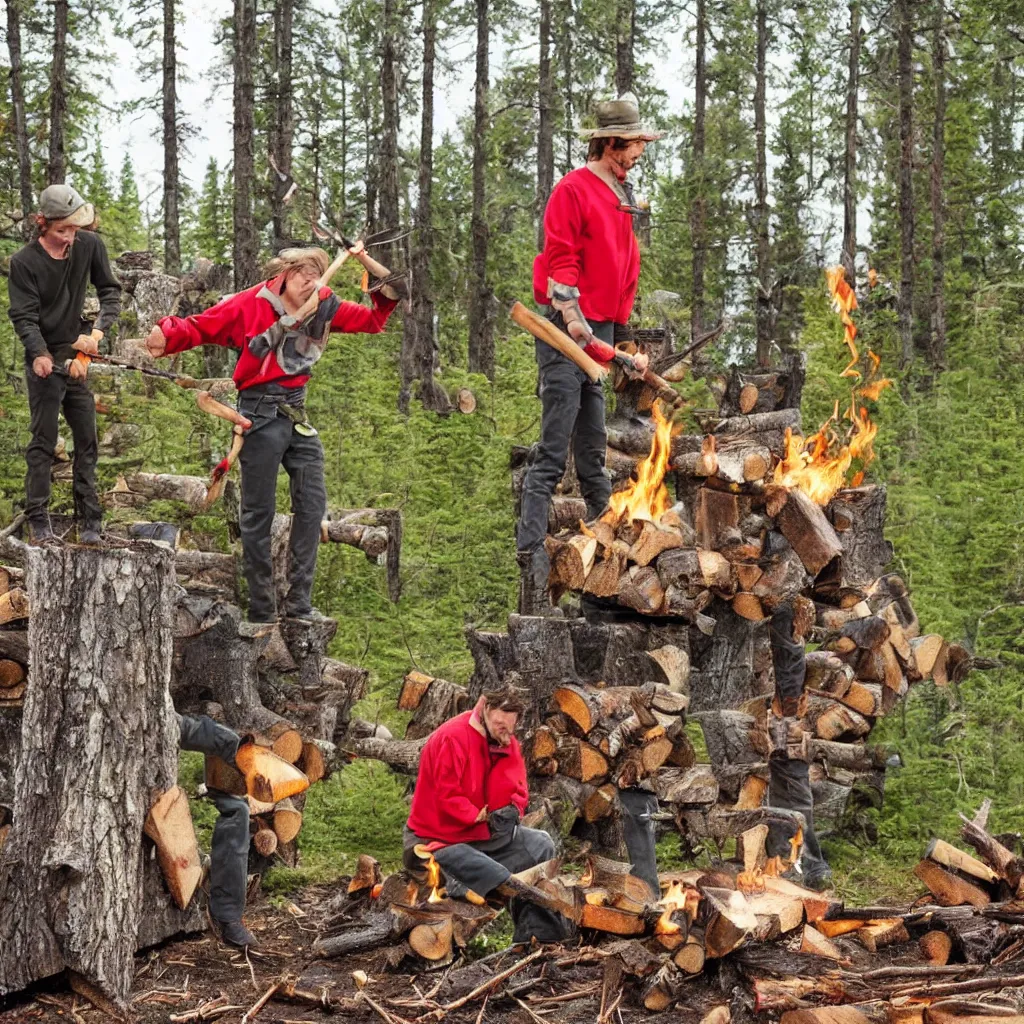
(587, 275)
(276, 357)
(470, 797)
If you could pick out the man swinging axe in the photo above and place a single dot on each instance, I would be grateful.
(587, 274)
(281, 328)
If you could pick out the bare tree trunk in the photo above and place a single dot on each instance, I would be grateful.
(545, 124)
(938, 311)
(56, 168)
(565, 46)
(388, 171)
(905, 75)
(18, 113)
(849, 257)
(246, 244)
(698, 205)
(625, 34)
(481, 319)
(99, 737)
(283, 130)
(172, 242)
(763, 305)
(419, 351)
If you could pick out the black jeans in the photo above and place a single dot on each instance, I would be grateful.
(466, 866)
(229, 848)
(789, 784)
(273, 442)
(47, 396)
(570, 401)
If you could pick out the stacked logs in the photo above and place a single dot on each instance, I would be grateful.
(13, 639)
(736, 927)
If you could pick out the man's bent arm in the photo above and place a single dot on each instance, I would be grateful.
(24, 311)
(218, 325)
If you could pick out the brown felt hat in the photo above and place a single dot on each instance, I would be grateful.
(620, 119)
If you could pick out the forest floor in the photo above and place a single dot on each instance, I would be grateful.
(182, 975)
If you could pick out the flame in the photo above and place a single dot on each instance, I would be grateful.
(647, 496)
(434, 881)
(820, 464)
(677, 897)
(752, 882)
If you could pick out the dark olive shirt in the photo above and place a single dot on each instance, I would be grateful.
(47, 295)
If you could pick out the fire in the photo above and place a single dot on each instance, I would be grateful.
(752, 882)
(434, 881)
(646, 497)
(820, 465)
(677, 897)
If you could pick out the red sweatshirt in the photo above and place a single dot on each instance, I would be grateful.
(589, 243)
(241, 317)
(453, 782)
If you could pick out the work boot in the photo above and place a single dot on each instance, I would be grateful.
(163, 535)
(234, 933)
(310, 615)
(534, 594)
(89, 534)
(40, 534)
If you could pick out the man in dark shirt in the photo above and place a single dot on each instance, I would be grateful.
(48, 279)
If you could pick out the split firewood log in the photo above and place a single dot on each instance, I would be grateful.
(616, 878)
(169, 825)
(641, 590)
(937, 947)
(828, 673)
(828, 1015)
(790, 993)
(716, 518)
(748, 606)
(415, 685)
(664, 988)
(694, 786)
(830, 720)
(579, 760)
(439, 701)
(603, 578)
(12, 695)
(367, 874)
(11, 578)
(13, 606)
(813, 942)
(949, 889)
(267, 776)
(653, 540)
(777, 914)
(864, 698)
(731, 922)
(810, 534)
(926, 652)
(571, 560)
(600, 803)
(371, 540)
(877, 934)
(283, 739)
(287, 821)
(950, 857)
(588, 706)
(565, 512)
(997, 856)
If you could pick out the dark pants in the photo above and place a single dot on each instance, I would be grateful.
(229, 849)
(570, 401)
(638, 830)
(47, 396)
(789, 784)
(466, 867)
(273, 442)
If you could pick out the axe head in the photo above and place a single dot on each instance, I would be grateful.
(285, 186)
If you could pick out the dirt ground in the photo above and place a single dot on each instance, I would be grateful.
(181, 976)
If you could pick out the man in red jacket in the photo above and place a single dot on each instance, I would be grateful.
(588, 275)
(470, 797)
(274, 364)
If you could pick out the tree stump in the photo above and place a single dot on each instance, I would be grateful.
(99, 738)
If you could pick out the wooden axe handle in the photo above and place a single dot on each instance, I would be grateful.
(208, 404)
(546, 331)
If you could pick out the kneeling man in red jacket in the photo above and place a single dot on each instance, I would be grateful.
(470, 797)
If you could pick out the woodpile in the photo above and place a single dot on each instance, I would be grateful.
(734, 928)
(701, 571)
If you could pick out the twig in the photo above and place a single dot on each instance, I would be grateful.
(533, 1016)
(962, 987)
(260, 1003)
(437, 988)
(483, 1006)
(568, 997)
(612, 1008)
(491, 982)
(252, 973)
(388, 1018)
